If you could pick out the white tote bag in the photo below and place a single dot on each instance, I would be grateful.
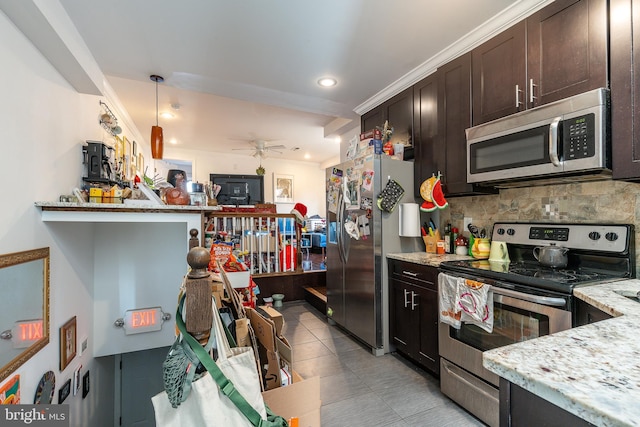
(207, 405)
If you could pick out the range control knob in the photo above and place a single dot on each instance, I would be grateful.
(500, 231)
(511, 231)
(611, 236)
(594, 235)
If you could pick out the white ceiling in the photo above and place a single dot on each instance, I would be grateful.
(243, 70)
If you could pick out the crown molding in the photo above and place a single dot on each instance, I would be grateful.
(505, 19)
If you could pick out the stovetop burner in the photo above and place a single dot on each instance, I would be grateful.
(566, 276)
(596, 253)
(557, 280)
(532, 274)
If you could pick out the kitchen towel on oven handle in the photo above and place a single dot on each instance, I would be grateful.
(449, 312)
(462, 300)
(475, 301)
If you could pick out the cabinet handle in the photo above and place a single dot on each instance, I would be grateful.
(406, 302)
(413, 300)
(531, 97)
(409, 273)
(518, 103)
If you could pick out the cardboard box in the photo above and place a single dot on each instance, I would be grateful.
(275, 351)
(217, 289)
(300, 399)
(275, 316)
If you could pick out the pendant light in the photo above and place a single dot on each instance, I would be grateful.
(156, 131)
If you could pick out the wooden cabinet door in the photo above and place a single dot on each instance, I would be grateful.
(566, 50)
(625, 89)
(428, 350)
(454, 117)
(399, 112)
(429, 156)
(454, 108)
(499, 75)
(372, 119)
(404, 321)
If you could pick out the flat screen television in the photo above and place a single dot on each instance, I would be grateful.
(239, 189)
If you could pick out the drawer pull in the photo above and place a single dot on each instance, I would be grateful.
(410, 273)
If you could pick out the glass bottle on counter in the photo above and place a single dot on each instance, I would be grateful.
(447, 238)
(454, 237)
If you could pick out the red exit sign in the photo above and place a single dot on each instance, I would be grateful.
(27, 332)
(143, 320)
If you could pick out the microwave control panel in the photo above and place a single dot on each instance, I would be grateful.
(578, 137)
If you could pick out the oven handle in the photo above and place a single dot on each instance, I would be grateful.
(556, 302)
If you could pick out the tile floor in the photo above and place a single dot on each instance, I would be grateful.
(358, 389)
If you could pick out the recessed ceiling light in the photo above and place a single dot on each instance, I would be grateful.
(327, 82)
(167, 115)
(307, 156)
(338, 140)
(173, 141)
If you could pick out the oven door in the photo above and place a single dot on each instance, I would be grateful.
(517, 317)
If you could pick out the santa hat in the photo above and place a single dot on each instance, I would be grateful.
(300, 211)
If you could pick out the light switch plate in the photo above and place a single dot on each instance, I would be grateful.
(467, 221)
(84, 343)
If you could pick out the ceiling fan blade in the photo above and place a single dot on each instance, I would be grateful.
(275, 147)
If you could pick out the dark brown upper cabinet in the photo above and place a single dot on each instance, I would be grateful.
(625, 89)
(499, 75)
(442, 105)
(557, 52)
(429, 154)
(398, 111)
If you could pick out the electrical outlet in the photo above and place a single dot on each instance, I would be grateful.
(467, 221)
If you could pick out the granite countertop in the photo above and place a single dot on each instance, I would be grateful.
(424, 258)
(140, 205)
(592, 371)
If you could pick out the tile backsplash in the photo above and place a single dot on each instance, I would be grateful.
(600, 201)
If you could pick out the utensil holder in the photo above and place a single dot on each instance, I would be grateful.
(431, 244)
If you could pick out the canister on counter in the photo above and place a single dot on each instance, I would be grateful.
(95, 195)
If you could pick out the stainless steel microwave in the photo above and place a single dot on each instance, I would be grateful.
(555, 142)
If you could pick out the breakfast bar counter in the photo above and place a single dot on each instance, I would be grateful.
(592, 371)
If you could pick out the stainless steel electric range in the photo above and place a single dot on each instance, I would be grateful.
(530, 300)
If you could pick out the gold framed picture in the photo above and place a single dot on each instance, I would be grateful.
(68, 349)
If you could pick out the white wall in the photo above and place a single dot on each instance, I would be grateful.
(308, 178)
(43, 124)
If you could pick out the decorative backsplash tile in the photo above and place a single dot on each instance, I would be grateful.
(600, 201)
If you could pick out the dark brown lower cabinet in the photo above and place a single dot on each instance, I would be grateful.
(521, 408)
(586, 313)
(414, 312)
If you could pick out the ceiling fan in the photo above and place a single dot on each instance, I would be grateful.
(260, 148)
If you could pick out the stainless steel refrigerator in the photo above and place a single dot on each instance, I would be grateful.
(359, 235)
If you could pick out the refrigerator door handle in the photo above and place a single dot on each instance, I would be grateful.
(339, 226)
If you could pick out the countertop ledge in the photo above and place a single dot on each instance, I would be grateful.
(592, 371)
(424, 258)
(123, 207)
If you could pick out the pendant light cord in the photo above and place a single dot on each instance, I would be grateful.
(156, 102)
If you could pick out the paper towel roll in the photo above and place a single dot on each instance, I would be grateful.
(409, 220)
